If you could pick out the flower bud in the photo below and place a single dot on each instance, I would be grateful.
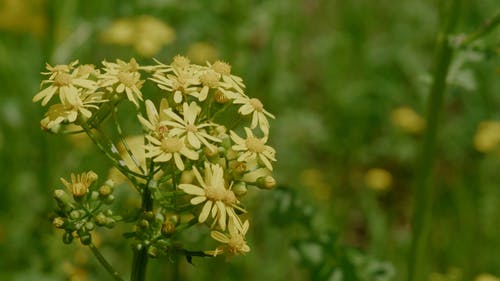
(168, 228)
(58, 222)
(67, 238)
(220, 97)
(238, 168)
(109, 199)
(75, 214)
(94, 195)
(100, 219)
(143, 223)
(153, 252)
(86, 239)
(105, 190)
(240, 189)
(90, 226)
(267, 182)
(62, 198)
(110, 223)
(211, 151)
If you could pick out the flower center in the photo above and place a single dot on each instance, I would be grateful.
(191, 128)
(255, 145)
(215, 193)
(180, 61)
(62, 79)
(236, 244)
(79, 189)
(256, 104)
(126, 79)
(221, 68)
(170, 145)
(209, 78)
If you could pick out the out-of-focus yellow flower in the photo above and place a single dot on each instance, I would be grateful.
(486, 277)
(315, 181)
(378, 179)
(201, 52)
(22, 16)
(145, 33)
(487, 137)
(408, 120)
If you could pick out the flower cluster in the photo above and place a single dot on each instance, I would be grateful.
(204, 142)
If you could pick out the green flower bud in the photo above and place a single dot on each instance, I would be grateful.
(90, 226)
(149, 216)
(240, 189)
(105, 190)
(109, 199)
(143, 223)
(267, 182)
(94, 196)
(86, 239)
(110, 223)
(75, 214)
(67, 238)
(63, 198)
(100, 219)
(153, 252)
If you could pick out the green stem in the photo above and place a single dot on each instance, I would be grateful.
(105, 263)
(424, 186)
(140, 259)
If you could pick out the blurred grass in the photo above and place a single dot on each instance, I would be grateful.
(332, 72)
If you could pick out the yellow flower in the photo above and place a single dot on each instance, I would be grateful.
(81, 104)
(64, 83)
(235, 243)
(487, 137)
(187, 126)
(151, 35)
(224, 70)
(408, 120)
(80, 184)
(145, 33)
(167, 148)
(219, 200)
(253, 148)
(154, 122)
(123, 77)
(181, 83)
(254, 106)
(378, 179)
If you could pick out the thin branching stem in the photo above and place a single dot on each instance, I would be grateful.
(125, 143)
(105, 263)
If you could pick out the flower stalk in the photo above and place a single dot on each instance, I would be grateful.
(421, 221)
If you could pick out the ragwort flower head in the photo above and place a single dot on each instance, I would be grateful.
(187, 126)
(234, 240)
(122, 77)
(253, 148)
(64, 83)
(218, 199)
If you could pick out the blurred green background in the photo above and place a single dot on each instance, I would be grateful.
(348, 83)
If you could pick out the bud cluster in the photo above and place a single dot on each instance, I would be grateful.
(83, 206)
